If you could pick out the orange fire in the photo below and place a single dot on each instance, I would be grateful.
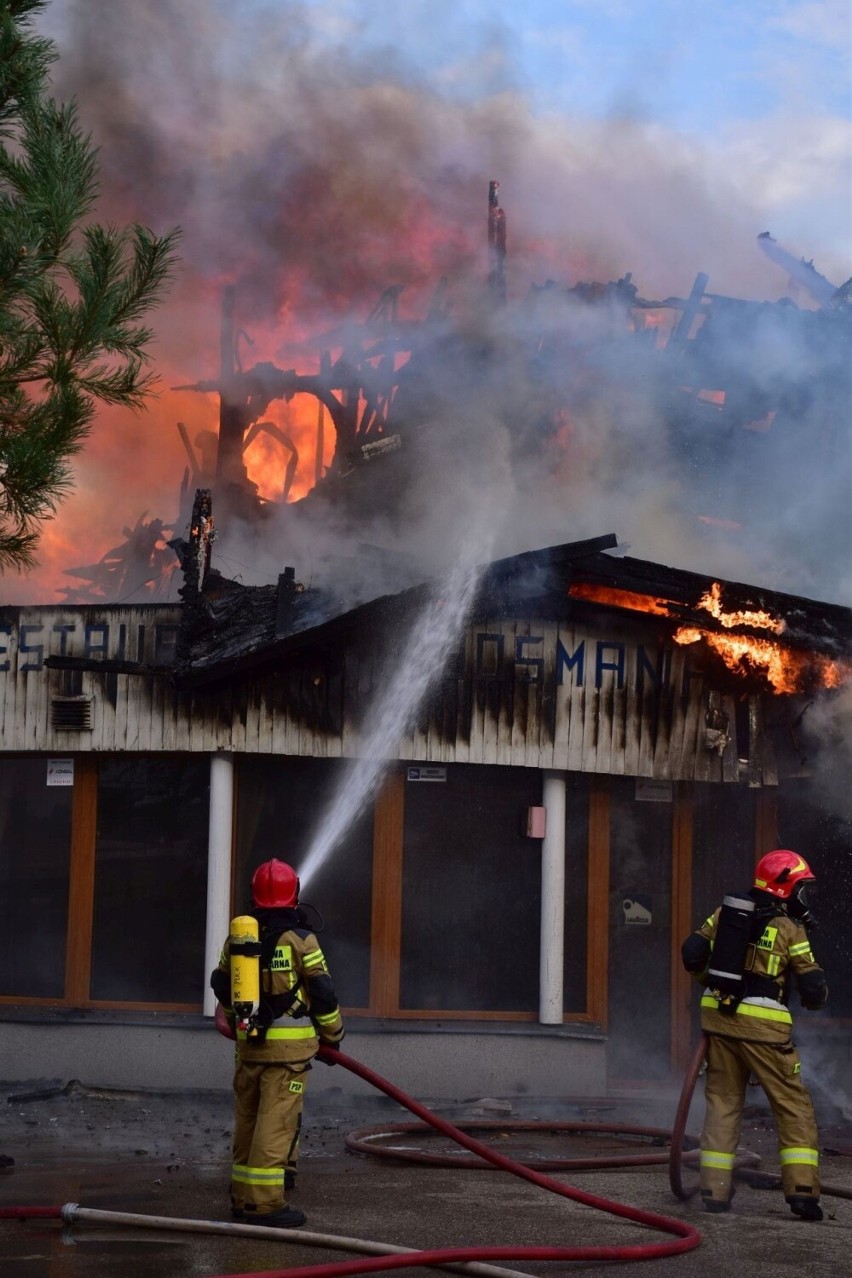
(712, 602)
(787, 670)
(619, 598)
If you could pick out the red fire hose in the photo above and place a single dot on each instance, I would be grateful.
(686, 1237)
(681, 1115)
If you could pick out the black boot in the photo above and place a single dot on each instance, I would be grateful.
(717, 1204)
(284, 1218)
(805, 1207)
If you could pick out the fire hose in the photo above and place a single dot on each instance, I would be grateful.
(685, 1236)
(745, 1164)
(468, 1259)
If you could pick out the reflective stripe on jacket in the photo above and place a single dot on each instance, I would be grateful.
(783, 949)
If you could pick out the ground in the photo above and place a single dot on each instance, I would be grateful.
(167, 1155)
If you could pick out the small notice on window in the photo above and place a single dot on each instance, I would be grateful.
(60, 772)
(427, 774)
(637, 911)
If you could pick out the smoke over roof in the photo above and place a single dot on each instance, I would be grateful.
(312, 176)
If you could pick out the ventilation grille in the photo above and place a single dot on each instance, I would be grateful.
(71, 714)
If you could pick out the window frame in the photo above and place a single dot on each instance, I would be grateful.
(386, 938)
(81, 899)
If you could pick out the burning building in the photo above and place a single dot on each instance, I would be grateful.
(713, 417)
(605, 746)
(585, 746)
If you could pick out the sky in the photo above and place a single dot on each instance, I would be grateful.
(760, 90)
(314, 153)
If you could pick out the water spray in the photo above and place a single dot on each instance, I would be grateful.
(433, 634)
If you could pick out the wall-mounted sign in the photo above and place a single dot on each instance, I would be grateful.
(654, 791)
(427, 774)
(60, 772)
(637, 911)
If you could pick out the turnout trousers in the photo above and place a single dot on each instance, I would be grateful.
(776, 1066)
(267, 1123)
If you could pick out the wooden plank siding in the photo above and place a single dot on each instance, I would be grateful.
(604, 697)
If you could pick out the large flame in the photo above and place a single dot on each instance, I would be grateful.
(711, 602)
(788, 670)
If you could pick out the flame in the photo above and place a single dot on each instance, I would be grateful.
(787, 670)
(712, 397)
(712, 602)
(619, 598)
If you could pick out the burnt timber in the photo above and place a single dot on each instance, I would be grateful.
(241, 626)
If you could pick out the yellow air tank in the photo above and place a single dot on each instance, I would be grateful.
(244, 949)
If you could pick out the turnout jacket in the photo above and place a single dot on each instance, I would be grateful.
(298, 1003)
(779, 954)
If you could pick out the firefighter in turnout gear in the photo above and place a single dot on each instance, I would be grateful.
(748, 954)
(278, 1035)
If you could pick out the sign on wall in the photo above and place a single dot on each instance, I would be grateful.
(60, 772)
(652, 791)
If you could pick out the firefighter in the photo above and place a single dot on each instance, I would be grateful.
(277, 1039)
(747, 954)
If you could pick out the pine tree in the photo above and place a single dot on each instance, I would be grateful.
(73, 293)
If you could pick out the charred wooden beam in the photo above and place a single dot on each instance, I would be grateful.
(107, 665)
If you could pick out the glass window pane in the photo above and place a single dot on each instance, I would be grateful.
(280, 803)
(35, 839)
(471, 892)
(723, 845)
(151, 880)
(640, 940)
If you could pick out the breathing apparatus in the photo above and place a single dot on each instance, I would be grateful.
(725, 975)
(781, 874)
(274, 885)
(244, 949)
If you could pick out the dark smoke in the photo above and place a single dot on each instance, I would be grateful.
(313, 175)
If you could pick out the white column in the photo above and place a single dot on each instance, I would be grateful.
(218, 866)
(552, 900)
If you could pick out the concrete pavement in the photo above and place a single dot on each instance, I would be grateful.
(168, 1155)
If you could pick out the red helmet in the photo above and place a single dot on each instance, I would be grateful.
(274, 885)
(780, 872)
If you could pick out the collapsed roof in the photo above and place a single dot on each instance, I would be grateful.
(230, 629)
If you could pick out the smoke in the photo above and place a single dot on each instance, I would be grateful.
(313, 166)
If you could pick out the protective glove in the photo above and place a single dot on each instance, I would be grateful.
(260, 1022)
(326, 1060)
(220, 983)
